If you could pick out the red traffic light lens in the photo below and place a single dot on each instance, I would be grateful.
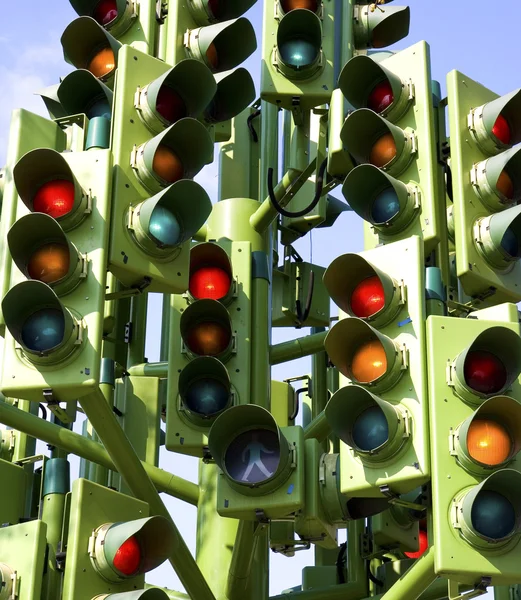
(209, 282)
(54, 198)
(423, 544)
(383, 151)
(501, 130)
(368, 297)
(127, 559)
(105, 12)
(49, 263)
(381, 97)
(369, 362)
(288, 5)
(208, 338)
(102, 63)
(170, 105)
(167, 165)
(488, 442)
(484, 372)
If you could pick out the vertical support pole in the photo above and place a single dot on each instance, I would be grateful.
(138, 320)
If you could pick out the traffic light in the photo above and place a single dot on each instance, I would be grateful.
(374, 27)
(128, 21)
(110, 543)
(486, 187)
(391, 136)
(158, 146)
(262, 465)
(380, 411)
(54, 308)
(209, 364)
(475, 420)
(298, 51)
(87, 45)
(22, 560)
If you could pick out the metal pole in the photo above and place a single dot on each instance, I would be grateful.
(304, 346)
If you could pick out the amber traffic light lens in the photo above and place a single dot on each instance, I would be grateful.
(368, 297)
(383, 151)
(505, 185)
(49, 263)
(103, 63)
(288, 5)
(369, 362)
(488, 442)
(212, 57)
(166, 164)
(208, 338)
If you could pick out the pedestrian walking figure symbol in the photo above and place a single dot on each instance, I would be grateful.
(254, 449)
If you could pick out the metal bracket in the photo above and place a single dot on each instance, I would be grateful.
(135, 290)
(397, 501)
(290, 548)
(479, 589)
(54, 406)
(161, 11)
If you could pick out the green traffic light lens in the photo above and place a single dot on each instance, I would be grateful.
(385, 206)
(206, 397)
(298, 52)
(510, 243)
(492, 515)
(43, 330)
(253, 456)
(370, 430)
(164, 226)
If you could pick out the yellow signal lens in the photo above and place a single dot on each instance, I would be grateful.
(103, 63)
(505, 185)
(488, 442)
(166, 164)
(49, 263)
(369, 362)
(383, 151)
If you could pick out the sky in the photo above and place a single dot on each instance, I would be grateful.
(479, 38)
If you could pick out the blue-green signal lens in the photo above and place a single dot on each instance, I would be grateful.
(370, 430)
(164, 226)
(43, 330)
(510, 243)
(206, 397)
(385, 206)
(298, 52)
(492, 515)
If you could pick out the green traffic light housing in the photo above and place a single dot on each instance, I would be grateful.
(483, 123)
(49, 96)
(488, 515)
(43, 252)
(204, 390)
(124, 550)
(364, 355)
(497, 180)
(46, 331)
(207, 12)
(343, 279)
(380, 28)
(183, 91)
(217, 47)
(488, 366)
(117, 22)
(179, 152)
(82, 92)
(375, 429)
(297, 53)
(491, 437)
(498, 238)
(35, 176)
(362, 78)
(149, 594)
(247, 445)
(235, 92)
(161, 224)
(387, 203)
(7, 581)
(371, 139)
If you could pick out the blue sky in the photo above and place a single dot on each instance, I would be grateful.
(473, 37)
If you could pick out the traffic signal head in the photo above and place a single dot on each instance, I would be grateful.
(486, 184)
(216, 45)
(46, 184)
(114, 15)
(82, 92)
(391, 137)
(257, 458)
(235, 92)
(379, 28)
(87, 45)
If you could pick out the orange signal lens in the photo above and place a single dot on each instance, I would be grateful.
(166, 164)
(212, 56)
(49, 263)
(288, 5)
(505, 185)
(369, 362)
(103, 63)
(383, 151)
(208, 338)
(488, 442)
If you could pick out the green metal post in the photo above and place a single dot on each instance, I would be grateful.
(501, 592)
(157, 369)
(415, 581)
(304, 346)
(319, 428)
(260, 324)
(131, 469)
(138, 320)
(242, 560)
